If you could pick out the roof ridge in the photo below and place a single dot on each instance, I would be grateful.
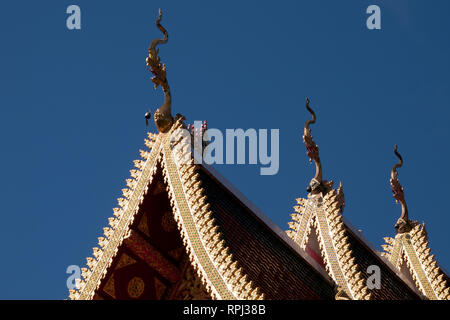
(265, 220)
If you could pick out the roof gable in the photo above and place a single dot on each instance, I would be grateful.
(412, 248)
(202, 240)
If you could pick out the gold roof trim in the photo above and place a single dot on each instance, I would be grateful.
(202, 239)
(325, 215)
(410, 246)
(119, 224)
(413, 249)
(323, 211)
(207, 250)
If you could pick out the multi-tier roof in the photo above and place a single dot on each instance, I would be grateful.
(181, 231)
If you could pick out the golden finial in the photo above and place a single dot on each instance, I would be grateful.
(163, 117)
(312, 151)
(403, 223)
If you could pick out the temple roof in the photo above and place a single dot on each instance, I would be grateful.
(318, 219)
(409, 251)
(235, 250)
(181, 231)
(348, 258)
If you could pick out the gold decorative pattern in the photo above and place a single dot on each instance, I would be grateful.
(205, 247)
(341, 294)
(301, 224)
(413, 249)
(207, 251)
(191, 287)
(109, 287)
(125, 260)
(135, 287)
(119, 224)
(323, 211)
(324, 214)
(410, 246)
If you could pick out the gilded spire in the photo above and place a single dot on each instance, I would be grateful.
(312, 151)
(403, 223)
(163, 117)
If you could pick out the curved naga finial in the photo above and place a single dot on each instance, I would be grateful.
(403, 223)
(163, 116)
(312, 151)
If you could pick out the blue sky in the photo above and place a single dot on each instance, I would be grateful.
(72, 106)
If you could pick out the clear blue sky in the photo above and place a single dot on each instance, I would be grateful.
(72, 106)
